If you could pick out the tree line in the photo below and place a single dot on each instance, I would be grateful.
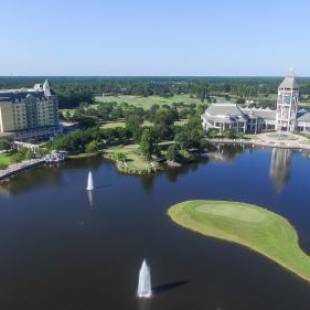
(72, 91)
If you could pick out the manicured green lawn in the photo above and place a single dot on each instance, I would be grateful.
(5, 160)
(254, 227)
(147, 102)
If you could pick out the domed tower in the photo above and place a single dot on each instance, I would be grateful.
(287, 104)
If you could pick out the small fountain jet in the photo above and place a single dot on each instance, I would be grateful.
(90, 182)
(144, 285)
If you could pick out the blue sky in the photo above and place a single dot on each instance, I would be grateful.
(162, 37)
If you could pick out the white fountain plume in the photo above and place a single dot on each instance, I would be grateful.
(144, 285)
(90, 182)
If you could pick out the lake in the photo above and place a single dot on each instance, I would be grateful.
(63, 248)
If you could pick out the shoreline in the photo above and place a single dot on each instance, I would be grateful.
(153, 166)
(15, 169)
(261, 142)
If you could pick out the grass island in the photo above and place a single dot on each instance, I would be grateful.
(254, 227)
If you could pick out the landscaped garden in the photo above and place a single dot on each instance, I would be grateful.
(129, 159)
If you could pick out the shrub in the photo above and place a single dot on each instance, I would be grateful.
(212, 133)
(172, 152)
(119, 156)
(4, 144)
(91, 147)
(22, 154)
(186, 155)
(147, 144)
(229, 134)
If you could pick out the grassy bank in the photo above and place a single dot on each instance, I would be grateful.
(5, 160)
(256, 228)
(133, 163)
(83, 155)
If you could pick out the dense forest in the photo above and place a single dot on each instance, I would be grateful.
(72, 91)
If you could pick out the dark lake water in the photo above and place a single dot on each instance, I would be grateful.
(62, 249)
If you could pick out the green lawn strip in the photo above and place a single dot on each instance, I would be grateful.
(5, 161)
(148, 102)
(83, 155)
(254, 227)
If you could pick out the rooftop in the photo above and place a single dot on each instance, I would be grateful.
(304, 117)
(289, 82)
(38, 91)
(260, 112)
(224, 110)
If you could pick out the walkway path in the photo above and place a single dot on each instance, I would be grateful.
(290, 141)
(16, 168)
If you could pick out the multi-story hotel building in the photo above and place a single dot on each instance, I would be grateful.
(29, 113)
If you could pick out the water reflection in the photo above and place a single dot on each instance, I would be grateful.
(34, 177)
(172, 175)
(144, 304)
(280, 167)
(227, 153)
(90, 196)
(148, 181)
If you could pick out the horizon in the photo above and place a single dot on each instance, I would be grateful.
(151, 76)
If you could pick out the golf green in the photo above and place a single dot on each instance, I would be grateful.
(254, 227)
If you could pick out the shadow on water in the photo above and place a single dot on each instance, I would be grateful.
(158, 290)
(145, 304)
(100, 187)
